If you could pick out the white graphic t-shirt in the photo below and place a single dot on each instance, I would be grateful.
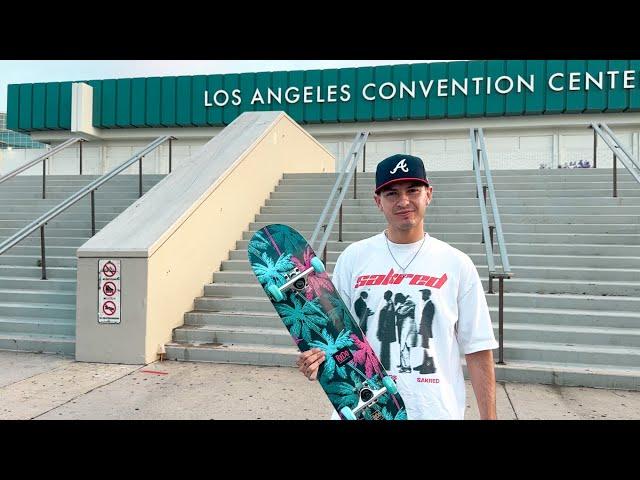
(419, 322)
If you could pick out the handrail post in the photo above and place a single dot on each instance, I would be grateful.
(501, 321)
(355, 178)
(93, 213)
(44, 178)
(595, 148)
(364, 157)
(80, 146)
(615, 177)
(140, 175)
(340, 225)
(324, 252)
(170, 155)
(491, 228)
(43, 262)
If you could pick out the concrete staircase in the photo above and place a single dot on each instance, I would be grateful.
(39, 315)
(572, 310)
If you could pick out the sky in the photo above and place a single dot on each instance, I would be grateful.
(32, 71)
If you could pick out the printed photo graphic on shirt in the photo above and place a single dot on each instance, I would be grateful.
(426, 332)
(362, 311)
(406, 329)
(386, 333)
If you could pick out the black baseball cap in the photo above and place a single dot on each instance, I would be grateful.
(400, 167)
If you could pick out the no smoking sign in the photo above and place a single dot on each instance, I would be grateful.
(109, 278)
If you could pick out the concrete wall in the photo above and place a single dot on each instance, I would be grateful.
(173, 239)
(12, 159)
(512, 142)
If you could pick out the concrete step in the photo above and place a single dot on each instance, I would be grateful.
(244, 297)
(350, 202)
(536, 285)
(624, 326)
(543, 272)
(278, 336)
(37, 284)
(22, 325)
(570, 375)
(22, 178)
(513, 248)
(33, 260)
(233, 353)
(310, 213)
(566, 317)
(41, 343)
(65, 216)
(35, 297)
(572, 309)
(110, 204)
(571, 336)
(578, 174)
(36, 272)
(55, 223)
(34, 250)
(584, 261)
(82, 207)
(50, 233)
(601, 307)
(38, 310)
(131, 195)
(321, 196)
(464, 185)
(571, 353)
(544, 371)
(631, 239)
(534, 280)
(53, 191)
(467, 223)
(51, 240)
(598, 304)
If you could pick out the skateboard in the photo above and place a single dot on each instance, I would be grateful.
(306, 300)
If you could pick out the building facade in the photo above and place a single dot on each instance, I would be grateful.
(535, 113)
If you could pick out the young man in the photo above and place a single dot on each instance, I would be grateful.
(405, 260)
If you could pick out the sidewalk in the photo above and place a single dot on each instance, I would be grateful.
(42, 386)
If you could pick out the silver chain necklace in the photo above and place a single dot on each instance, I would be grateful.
(394, 258)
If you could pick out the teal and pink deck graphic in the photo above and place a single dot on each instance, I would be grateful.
(316, 317)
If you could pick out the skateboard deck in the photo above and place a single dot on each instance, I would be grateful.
(306, 300)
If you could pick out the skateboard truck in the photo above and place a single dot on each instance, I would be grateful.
(368, 396)
(296, 280)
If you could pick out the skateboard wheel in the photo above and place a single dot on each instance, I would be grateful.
(317, 265)
(390, 385)
(275, 293)
(347, 413)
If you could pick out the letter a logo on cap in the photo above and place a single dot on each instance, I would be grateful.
(401, 165)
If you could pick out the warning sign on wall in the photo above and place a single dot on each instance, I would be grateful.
(109, 291)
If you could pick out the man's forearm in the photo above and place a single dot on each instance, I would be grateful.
(483, 379)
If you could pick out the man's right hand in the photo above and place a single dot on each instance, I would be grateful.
(308, 362)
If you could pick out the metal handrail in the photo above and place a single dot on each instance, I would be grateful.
(334, 190)
(616, 148)
(42, 158)
(340, 189)
(64, 205)
(479, 157)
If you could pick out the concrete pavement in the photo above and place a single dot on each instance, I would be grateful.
(41, 386)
